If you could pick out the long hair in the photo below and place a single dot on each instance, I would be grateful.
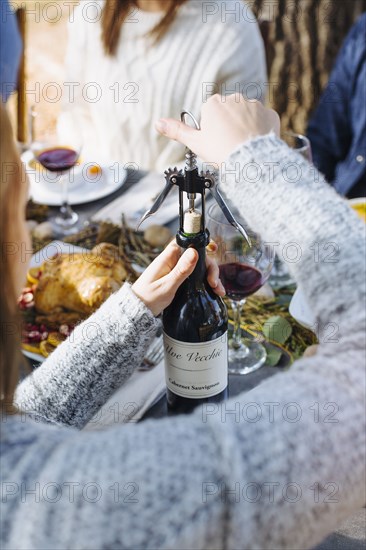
(115, 12)
(10, 185)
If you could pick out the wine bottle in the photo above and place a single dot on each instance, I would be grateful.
(195, 332)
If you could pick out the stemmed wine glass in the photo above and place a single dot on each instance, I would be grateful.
(244, 269)
(60, 160)
(280, 276)
(298, 142)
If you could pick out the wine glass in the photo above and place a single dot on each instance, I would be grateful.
(298, 142)
(244, 269)
(280, 276)
(59, 160)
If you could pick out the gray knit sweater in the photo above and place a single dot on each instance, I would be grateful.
(277, 467)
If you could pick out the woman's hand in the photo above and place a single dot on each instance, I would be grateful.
(225, 124)
(160, 281)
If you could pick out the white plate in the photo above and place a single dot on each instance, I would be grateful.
(33, 356)
(300, 310)
(83, 187)
(361, 201)
(357, 201)
(46, 253)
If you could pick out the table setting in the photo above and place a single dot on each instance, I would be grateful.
(264, 317)
(82, 210)
(268, 320)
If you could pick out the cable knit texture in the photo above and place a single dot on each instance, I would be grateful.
(276, 468)
(79, 377)
(211, 47)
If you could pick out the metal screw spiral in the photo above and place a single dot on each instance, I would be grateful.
(191, 160)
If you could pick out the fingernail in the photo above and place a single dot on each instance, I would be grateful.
(161, 126)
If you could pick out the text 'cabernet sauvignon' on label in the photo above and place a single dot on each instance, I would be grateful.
(196, 370)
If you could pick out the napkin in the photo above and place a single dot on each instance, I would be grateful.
(130, 402)
(139, 198)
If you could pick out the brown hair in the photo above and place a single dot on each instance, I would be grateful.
(10, 189)
(115, 12)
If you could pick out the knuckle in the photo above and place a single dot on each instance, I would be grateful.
(182, 269)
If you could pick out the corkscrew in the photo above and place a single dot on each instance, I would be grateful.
(193, 183)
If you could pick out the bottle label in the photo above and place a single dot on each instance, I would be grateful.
(196, 370)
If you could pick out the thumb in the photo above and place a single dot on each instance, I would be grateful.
(174, 129)
(183, 269)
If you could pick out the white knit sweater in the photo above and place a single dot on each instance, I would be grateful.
(205, 51)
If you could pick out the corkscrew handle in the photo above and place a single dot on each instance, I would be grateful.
(212, 183)
(191, 158)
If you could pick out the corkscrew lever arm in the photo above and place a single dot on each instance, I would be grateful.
(212, 185)
(170, 181)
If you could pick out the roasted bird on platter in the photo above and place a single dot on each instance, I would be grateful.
(79, 282)
(65, 290)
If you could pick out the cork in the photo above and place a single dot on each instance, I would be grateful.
(192, 222)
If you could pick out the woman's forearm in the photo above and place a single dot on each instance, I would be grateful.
(300, 435)
(98, 357)
(317, 234)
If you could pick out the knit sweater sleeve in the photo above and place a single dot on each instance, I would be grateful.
(312, 228)
(305, 435)
(98, 357)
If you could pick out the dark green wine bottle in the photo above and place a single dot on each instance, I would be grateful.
(195, 337)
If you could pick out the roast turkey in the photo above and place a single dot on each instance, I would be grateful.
(79, 282)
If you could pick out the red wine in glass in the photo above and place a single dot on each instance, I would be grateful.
(61, 159)
(240, 280)
(243, 271)
(58, 159)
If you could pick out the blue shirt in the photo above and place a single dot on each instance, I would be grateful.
(10, 50)
(337, 130)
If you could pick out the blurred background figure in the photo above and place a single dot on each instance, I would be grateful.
(303, 40)
(10, 50)
(337, 130)
(147, 59)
